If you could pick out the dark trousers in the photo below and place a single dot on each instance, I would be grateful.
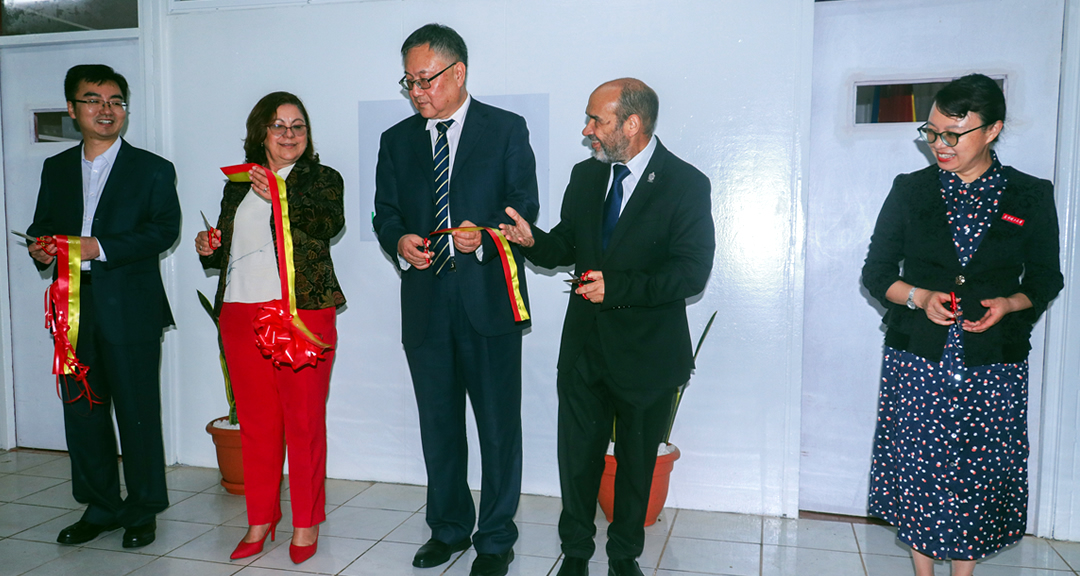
(454, 360)
(589, 402)
(125, 377)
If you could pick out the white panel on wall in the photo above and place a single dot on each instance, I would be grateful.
(852, 168)
(728, 75)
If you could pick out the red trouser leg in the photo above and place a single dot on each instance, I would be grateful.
(276, 406)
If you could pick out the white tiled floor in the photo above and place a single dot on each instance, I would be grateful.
(374, 530)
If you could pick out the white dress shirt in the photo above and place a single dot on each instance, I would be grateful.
(637, 166)
(95, 173)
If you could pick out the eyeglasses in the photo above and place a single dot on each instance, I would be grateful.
(98, 104)
(278, 130)
(424, 83)
(949, 138)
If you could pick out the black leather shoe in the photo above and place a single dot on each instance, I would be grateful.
(436, 552)
(574, 567)
(139, 536)
(492, 564)
(625, 567)
(82, 532)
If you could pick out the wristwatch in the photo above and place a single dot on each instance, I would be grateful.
(911, 299)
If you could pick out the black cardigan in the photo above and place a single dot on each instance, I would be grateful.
(913, 230)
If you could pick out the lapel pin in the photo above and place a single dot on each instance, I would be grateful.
(652, 176)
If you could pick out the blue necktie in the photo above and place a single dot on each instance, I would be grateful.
(441, 244)
(613, 203)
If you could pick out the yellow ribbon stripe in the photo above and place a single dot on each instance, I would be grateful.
(74, 283)
(510, 271)
(277, 184)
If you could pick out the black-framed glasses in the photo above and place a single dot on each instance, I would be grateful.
(424, 83)
(949, 138)
(96, 104)
(278, 130)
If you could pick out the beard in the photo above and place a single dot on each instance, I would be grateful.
(614, 151)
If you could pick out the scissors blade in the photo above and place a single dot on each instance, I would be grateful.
(25, 236)
(205, 221)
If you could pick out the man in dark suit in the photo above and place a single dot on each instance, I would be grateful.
(456, 162)
(121, 202)
(639, 252)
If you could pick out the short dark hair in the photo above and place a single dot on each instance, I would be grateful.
(442, 40)
(92, 74)
(261, 116)
(637, 98)
(972, 93)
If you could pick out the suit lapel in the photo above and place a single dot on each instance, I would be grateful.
(647, 185)
(420, 142)
(112, 192)
(475, 124)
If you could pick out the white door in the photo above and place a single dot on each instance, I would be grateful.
(34, 81)
(852, 167)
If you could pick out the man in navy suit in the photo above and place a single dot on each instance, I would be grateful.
(121, 202)
(455, 163)
(637, 226)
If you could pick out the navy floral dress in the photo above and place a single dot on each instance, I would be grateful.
(951, 447)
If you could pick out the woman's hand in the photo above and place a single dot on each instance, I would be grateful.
(996, 309)
(259, 183)
(937, 305)
(205, 244)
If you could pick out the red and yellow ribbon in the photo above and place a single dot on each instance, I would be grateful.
(509, 265)
(62, 316)
(279, 332)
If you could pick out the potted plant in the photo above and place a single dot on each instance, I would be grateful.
(226, 430)
(667, 454)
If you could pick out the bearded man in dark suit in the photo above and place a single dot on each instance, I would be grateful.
(637, 226)
(121, 202)
(458, 162)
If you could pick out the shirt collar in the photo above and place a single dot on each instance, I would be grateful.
(458, 117)
(640, 162)
(108, 156)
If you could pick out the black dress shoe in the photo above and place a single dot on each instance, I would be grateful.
(492, 564)
(436, 552)
(574, 567)
(82, 532)
(139, 536)
(625, 567)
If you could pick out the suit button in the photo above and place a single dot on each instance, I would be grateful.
(960, 280)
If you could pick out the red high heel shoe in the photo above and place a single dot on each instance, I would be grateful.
(245, 549)
(300, 554)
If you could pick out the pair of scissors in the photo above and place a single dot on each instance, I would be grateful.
(578, 280)
(45, 242)
(209, 231)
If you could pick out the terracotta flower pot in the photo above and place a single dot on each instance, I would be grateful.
(229, 457)
(657, 494)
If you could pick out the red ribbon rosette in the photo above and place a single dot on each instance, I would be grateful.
(279, 339)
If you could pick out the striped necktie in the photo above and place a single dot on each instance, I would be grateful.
(442, 197)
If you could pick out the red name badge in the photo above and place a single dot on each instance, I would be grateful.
(1013, 219)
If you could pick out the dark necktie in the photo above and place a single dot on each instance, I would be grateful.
(613, 203)
(441, 245)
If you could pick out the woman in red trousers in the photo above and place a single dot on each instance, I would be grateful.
(278, 406)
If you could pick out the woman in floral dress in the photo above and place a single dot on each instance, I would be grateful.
(964, 258)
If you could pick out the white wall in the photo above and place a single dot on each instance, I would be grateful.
(733, 83)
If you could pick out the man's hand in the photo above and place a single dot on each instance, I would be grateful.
(591, 287)
(43, 253)
(415, 251)
(520, 232)
(467, 242)
(88, 248)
